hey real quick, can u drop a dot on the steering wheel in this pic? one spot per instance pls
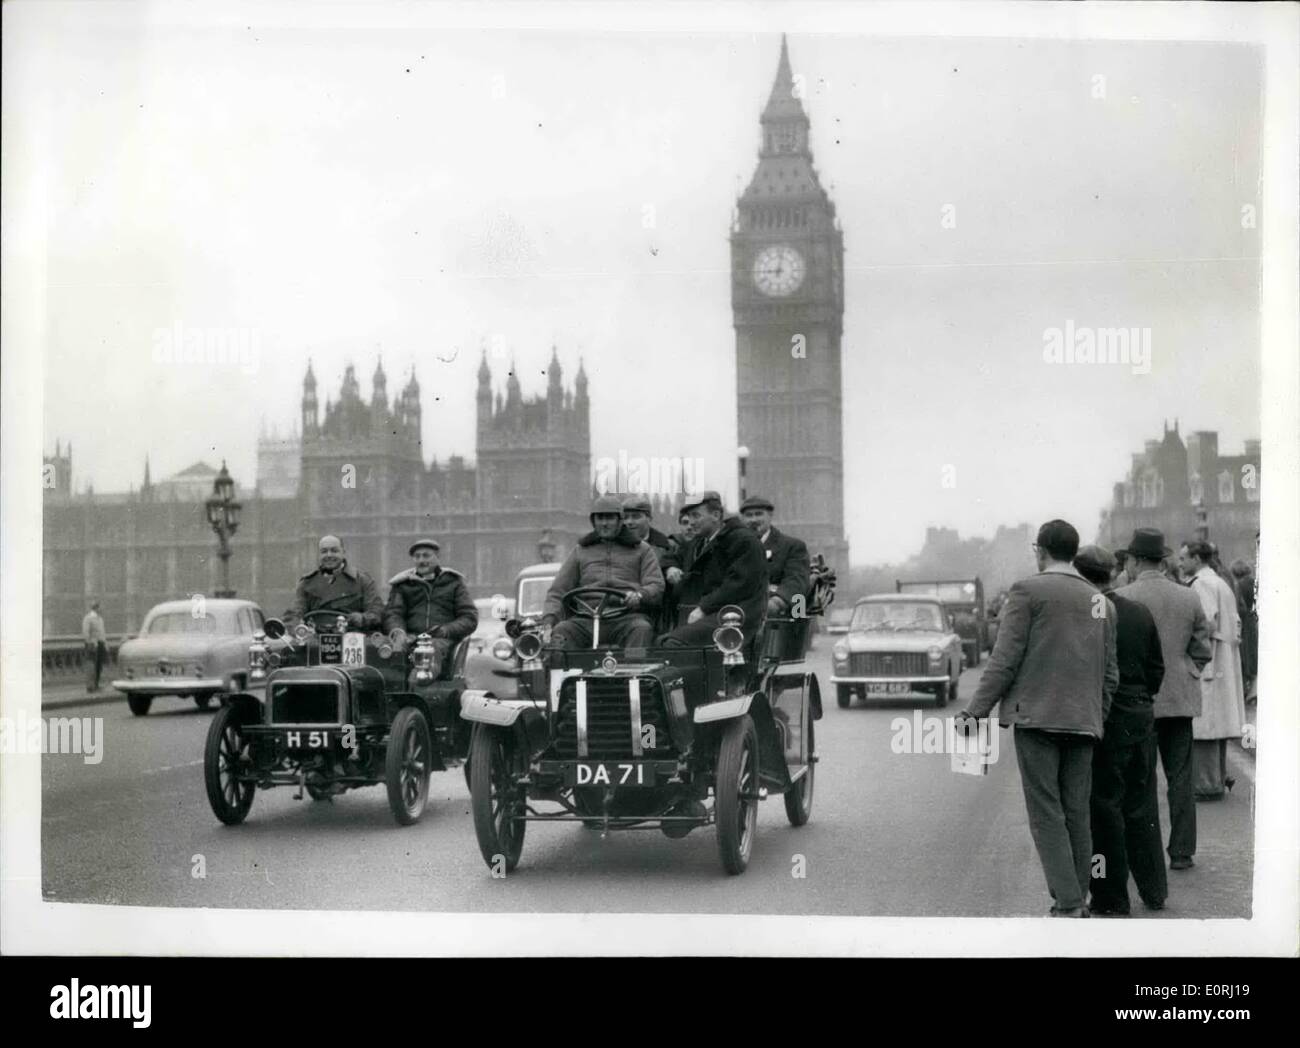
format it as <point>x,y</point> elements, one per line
<point>323,614</point>
<point>596,602</point>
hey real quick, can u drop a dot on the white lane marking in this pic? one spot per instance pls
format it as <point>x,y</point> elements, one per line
<point>173,767</point>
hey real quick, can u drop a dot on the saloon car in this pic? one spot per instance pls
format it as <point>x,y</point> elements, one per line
<point>897,645</point>
<point>340,710</point>
<point>191,649</point>
<point>667,738</point>
<point>492,664</point>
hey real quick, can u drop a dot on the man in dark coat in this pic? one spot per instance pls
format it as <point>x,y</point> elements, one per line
<point>723,565</point>
<point>336,586</point>
<point>1125,809</point>
<point>787,557</point>
<point>637,515</point>
<point>428,598</point>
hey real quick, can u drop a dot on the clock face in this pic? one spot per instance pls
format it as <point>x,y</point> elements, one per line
<point>778,270</point>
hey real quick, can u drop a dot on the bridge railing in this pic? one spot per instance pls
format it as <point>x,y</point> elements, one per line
<point>63,658</point>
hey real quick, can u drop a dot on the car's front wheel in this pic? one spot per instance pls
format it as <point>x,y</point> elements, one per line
<point>140,704</point>
<point>203,700</point>
<point>407,765</point>
<point>736,793</point>
<point>226,763</point>
<point>495,799</point>
<point>843,696</point>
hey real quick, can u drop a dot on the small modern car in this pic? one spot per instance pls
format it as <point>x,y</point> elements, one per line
<point>192,649</point>
<point>492,664</point>
<point>897,645</point>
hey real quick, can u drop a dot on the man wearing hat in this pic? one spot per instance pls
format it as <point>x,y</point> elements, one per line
<point>787,557</point>
<point>1185,648</point>
<point>428,598</point>
<point>637,514</point>
<point>610,556</point>
<point>334,585</point>
<point>1125,809</point>
<point>723,565</point>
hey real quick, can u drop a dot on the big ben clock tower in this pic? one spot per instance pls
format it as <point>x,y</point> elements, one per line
<point>787,298</point>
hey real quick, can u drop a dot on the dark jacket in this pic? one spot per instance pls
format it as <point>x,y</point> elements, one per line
<point>439,605</point>
<point>1053,666</point>
<point>345,591</point>
<point>729,569</point>
<point>666,549</point>
<point>625,563</point>
<point>1137,648</point>
<point>787,566</point>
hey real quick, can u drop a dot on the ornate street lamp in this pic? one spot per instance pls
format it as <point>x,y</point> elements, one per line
<point>223,516</point>
<point>546,547</point>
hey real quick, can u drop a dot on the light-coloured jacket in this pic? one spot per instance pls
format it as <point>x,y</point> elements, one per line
<point>1184,640</point>
<point>1223,707</point>
<point>92,628</point>
<point>1054,665</point>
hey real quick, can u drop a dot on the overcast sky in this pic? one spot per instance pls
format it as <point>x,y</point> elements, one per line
<point>343,192</point>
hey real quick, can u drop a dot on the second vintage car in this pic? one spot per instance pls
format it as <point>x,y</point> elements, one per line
<point>191,649</point>
<point>897,645</point>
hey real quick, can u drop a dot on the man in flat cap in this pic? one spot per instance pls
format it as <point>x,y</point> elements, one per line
<point>637,515</point>
<point>334,585</point>
<point>610,556</point>
<point>1124,804</point>
<point>787,557</point>
<point>428,598</point>
<point>1185,647</point>
<point>724,565</point>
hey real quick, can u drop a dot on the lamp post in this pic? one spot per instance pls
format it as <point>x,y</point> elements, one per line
<point>546,547</point>
<point>742,456</point>
<point>223,516</point>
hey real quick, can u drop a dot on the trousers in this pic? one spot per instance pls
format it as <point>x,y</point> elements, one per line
<point>96,656</point>
<point>1056,775</point>
<point>1174,737</point>
<point>626,631</point>
<point>1126,813</point>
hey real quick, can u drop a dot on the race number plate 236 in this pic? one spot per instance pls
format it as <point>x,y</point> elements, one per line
<point>610,773</point>
<point>354,649</point>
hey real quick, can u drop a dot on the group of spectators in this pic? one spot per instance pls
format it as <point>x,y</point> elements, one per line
<point>1105,664</point>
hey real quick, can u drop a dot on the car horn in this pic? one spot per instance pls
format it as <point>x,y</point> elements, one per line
<point>528,646</point>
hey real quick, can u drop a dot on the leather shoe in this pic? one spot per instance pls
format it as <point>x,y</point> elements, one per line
<point>1154,904</point>
<point>1183,862</point>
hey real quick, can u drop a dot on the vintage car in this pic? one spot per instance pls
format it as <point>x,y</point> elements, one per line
<point>897,646</point>
<point>623,739</point>
<point>964,598</point>
<point>339,711</point>
<point>192,649</point>
<point>492,665</point>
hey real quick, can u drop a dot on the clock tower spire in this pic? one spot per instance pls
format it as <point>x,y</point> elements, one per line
<point>787,299</point>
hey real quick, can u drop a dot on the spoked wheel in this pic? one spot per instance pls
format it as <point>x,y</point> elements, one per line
<point>225,758</point>
<point>736,793</point>
<point>203,701</point>
<point>843,696</point>
<point>139,704</point>
<point>407,765</point>
<point>798,799</point>
<point>494,798</point>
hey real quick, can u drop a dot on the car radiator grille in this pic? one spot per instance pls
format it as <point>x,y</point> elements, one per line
<point>900,664</point>
<point>306,703</point>
<point>609,719</point>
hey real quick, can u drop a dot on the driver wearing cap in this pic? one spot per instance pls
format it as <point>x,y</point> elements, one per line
<point>428,598</point>
<point>609,556</point>
<point>334,585</point>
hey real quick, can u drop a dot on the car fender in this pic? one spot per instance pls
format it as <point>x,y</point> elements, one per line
<point>725,709</point>
<point>483,707</point>
<point>249,706</point>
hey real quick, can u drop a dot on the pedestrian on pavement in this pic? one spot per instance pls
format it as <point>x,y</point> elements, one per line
<point>1185,646</point>
<point>1054,672</point>
<point>1223,709</point>
<point>1249,627</point>
<point>96,642</point>
<point>1125,809</point>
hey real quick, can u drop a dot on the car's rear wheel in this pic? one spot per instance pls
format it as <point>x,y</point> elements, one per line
<point>736,793</point>
<point>799,798</point>
<point>226,759</point>
<point>140,704</point>
<point>843,696</point>
<point>203,701</point>
<point>407,765</point>
<point>494,798</point>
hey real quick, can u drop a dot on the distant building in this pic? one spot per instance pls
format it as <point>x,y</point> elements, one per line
<point>1187,490</point>
<point>357,470</point>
